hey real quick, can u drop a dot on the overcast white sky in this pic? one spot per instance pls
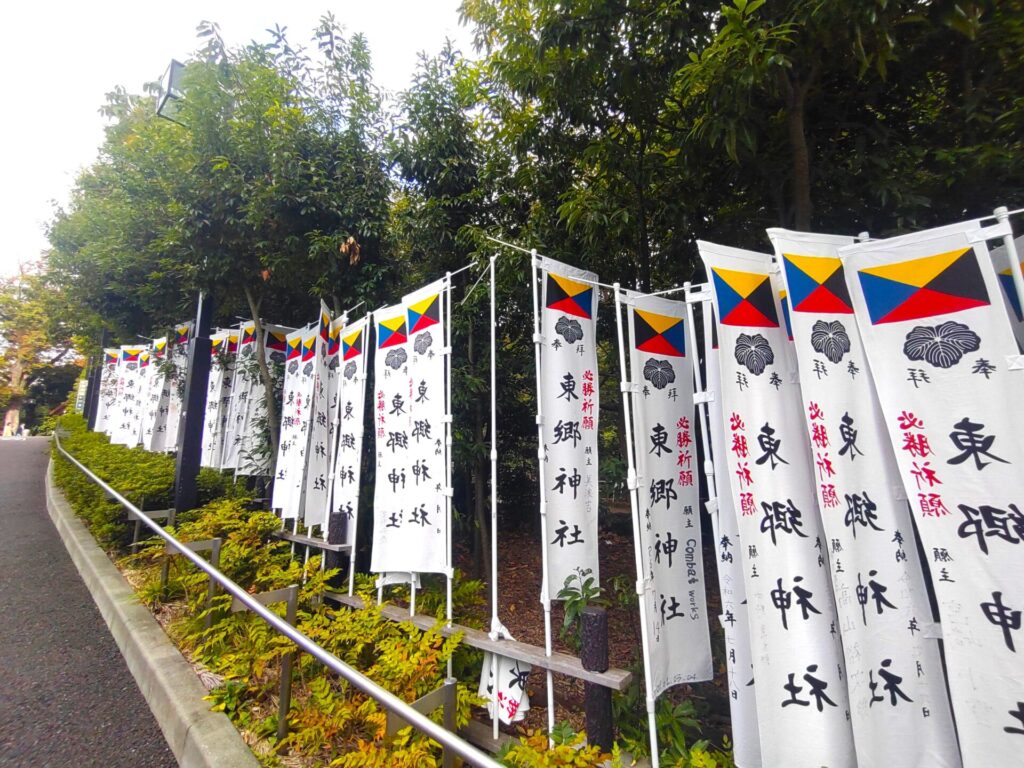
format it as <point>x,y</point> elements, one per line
<point>59,58</point>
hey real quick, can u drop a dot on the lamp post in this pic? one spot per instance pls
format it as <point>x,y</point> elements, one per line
<point>190,424</point>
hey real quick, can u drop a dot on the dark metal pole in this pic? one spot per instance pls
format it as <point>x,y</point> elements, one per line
<point>190,426</point>
<point>92,397</point>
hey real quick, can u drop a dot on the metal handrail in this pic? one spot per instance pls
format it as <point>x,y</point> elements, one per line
<point>388,700</point>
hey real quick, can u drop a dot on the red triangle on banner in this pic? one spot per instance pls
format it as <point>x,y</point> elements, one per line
<point>746,313</point>
<point>926,303</point>
<point>658,345</point>
<point>569,305</point>
<point>821,299</point>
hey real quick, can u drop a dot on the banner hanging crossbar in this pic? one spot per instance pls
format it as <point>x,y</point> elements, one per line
<point>535,253</point>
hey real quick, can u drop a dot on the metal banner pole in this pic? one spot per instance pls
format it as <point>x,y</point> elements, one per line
<point>1003,216</point>
<point>632,484</point>
<point>545,586</point>
<point>450,573</point>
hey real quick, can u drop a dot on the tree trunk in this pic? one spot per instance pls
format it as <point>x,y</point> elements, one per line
<point>12,419</point>
<point>796,98</point>
<point>268,383</point>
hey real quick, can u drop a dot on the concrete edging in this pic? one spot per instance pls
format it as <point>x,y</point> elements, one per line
<point>197,737</point>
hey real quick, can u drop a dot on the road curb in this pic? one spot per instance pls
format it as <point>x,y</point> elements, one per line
<point>197,737</point>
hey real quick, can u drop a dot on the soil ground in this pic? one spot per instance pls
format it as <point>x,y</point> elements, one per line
<point>521,612</point>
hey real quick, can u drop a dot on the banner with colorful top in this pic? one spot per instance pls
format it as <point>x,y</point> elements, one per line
<point>947,370</point>
<point>667,518</point>
<point>107,399</point>
<point>899,706</point>
<point>317,480</point>
<point>348,448</point>
<point>411,526</point>
<point>177,371</point>
<point>241,385</point>
<point>729,557</point>
<point>294,434</point>
<point>800,676</point>
<point>568,404</point>
<point>129,401</point>
<point>223,349</point>
<point>158,391</point>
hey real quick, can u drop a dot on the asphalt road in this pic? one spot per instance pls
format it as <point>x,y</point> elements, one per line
<point>67,699</point>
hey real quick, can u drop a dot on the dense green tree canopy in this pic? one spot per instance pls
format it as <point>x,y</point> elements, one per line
<point>609,133</point>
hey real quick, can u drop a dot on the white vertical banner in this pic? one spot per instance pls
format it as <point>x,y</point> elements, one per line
<point>304,413</point>
<point>241,388</point>
<point>146,371</point>
<point>667,469</point>
<point>730,554</point>
<point>154,422</point>
<point>351,394</point>
<point>899,705</point>
<point>410,511</point>
<point>317,480</point>
<point>107,398</point>
<point>254,448</point>
<point>177,372</point>
<point>223,345</point>
<point>945,365</point>
<point>569,403</point>
<point>503,681</point>
<point>284,497</point>
<point>800,676</point>
<point>127,410</point>
<point>427,321</point>
<point>1004,269</point>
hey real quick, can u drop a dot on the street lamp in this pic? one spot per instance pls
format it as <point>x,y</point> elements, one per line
<point>190,429</point>
<point>171,98</point>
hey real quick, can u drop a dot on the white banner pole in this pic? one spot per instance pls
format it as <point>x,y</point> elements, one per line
<point>496,627</point>
<point>698,380</point>
<point>632,483</point>
<point>450,571</point>
<point>545,587</point>
<point>1003,216</point>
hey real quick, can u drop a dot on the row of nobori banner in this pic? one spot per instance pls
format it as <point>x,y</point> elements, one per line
<point>859,406</point>
<point>140,397</point>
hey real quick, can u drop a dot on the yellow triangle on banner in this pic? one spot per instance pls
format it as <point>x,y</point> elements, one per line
<point>659,323</point>
<point>743,283</point>
<point>422,306</point>
<point>394,323</point>
<point>571,287</point>
<point>916,272</point>
<point>352,338</point>
<point>818,268</point>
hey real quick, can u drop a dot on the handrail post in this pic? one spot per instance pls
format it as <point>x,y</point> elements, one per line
<point>450,703</point>
<point>285,698</point>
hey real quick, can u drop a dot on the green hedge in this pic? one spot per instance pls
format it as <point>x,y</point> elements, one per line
<point>145,479</point>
